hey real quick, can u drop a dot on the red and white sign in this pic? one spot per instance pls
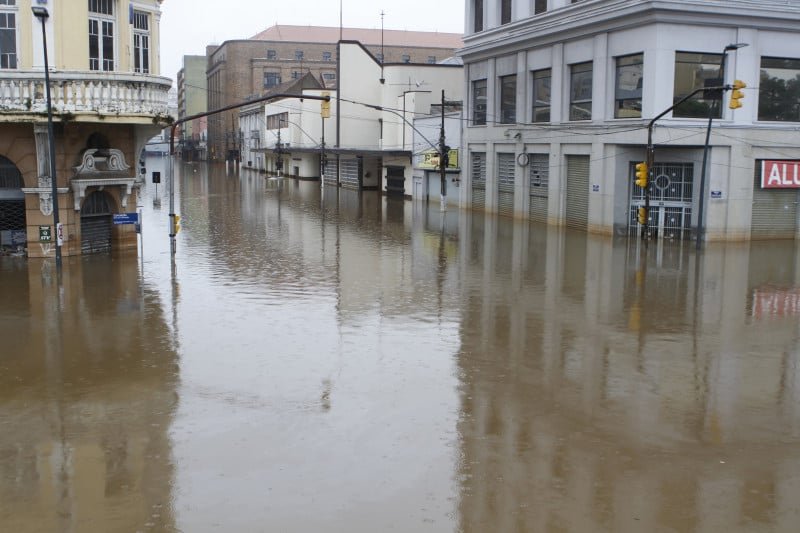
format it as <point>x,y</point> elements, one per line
<point>775,303</point>
<point>780,174</point>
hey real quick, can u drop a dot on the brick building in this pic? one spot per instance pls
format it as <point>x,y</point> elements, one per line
<point>242,69</point>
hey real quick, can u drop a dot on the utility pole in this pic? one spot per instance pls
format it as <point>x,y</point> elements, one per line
<point>443,152</point>
<point>279,163</point>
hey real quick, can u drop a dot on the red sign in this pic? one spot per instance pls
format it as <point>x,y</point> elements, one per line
<point>780,174</point>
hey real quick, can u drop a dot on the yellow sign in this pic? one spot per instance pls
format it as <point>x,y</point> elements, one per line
<point>325,109</point>
<point>430,159</point>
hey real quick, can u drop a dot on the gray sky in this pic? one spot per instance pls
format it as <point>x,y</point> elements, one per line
<point>187,26</point>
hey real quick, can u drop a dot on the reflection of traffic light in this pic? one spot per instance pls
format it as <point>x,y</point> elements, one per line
<point>177,223</point>
<point>737,94</point>
<point>641,175</point>
<point>642,216</point>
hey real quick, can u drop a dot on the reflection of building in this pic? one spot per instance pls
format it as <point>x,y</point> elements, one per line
<point>240,69</point>
<point>611,388</point>
<point>560,94</point>
<point>86,402</point>
<point>371,146</point>
<point>106,96</point>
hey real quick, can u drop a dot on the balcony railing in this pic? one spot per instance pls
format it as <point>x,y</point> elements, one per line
<point>78,92</point>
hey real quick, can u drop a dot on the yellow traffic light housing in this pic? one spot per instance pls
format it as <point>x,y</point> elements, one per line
<point>737,94</point>
<point>642,216</point>
<point>177,224</point>
<point>641,175</point>
<point>325,106</point>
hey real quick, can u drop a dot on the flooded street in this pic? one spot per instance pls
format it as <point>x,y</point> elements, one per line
<point>335,362</point>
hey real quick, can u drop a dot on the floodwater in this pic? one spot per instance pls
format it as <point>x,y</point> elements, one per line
<point>349,363</point>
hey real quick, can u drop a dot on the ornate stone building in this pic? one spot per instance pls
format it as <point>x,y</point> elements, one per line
<point>107,100</point>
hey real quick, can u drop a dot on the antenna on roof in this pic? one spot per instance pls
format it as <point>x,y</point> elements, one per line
<point>340,20</point>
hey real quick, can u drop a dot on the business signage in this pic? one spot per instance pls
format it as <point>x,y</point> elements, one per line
<point>430,159</point>
<point>776,174</point>
<point>125,218</point>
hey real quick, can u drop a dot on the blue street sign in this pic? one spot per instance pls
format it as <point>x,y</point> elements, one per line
<point>126,218</point>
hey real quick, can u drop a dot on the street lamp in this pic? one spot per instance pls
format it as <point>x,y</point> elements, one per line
<point>42,14</point>
<point>701,206</point>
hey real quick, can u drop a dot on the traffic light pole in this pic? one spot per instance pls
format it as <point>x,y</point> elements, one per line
<point>443,161</point>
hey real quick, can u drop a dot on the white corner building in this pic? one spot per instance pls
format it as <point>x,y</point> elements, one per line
<point>560,94</point>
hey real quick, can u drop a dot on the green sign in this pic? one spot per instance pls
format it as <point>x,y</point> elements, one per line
<point>45,234</point>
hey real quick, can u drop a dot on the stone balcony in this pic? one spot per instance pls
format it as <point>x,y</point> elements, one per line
<point>86,96</point>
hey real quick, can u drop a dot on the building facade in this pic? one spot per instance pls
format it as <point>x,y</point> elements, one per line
<point>192,100</point>
<point>242,69</point>
<point>369,138</point>
<point>561,93</point>
<point>107,100</point>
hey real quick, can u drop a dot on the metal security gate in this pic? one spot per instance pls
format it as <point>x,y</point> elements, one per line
<point>774,213</point>
<point>351,173</point>
<point>96,224</point>
<point>505,184</point>
<point>12,206</point>
<point>539,177</point>
<point>577,212</point>
<point>671,191</point>
<point>331,170</point>
<point>478,180</point>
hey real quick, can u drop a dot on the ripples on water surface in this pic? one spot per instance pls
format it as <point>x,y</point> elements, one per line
<point>351,363</point>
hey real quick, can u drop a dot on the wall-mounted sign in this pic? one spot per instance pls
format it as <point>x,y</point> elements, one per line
<point>430,159</point>
<point>777,174</point>
<point>595,188</point>
<point>45,234</point>
<point>125,218</point>
<point>716,195</point>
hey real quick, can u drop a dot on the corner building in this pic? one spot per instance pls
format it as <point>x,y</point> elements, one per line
<point>107,100</point>
<point>561,92</point>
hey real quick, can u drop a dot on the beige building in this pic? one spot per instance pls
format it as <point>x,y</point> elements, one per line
<point>238,70</point>
<point>107,100</point>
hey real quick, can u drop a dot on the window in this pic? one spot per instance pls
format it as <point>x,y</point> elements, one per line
<point>479,102</point>
<point>141,42</point>
<point>328,76</point>
<point>431,60</point>
<point>296,74</point>
<point>406,58</point>
<point>505,11</point>
<point>508,99</point>
<point>326,56</point>
<point>298,55</point>
<point>779,90</point>
<point>277,121</point>
<point>580,94</point>
<point>271,79</point>
<point>695,71</point>
<point>272,54</point>
<point>540,6</point>
<point>101,35</point>
<point>478,16</point>
<point>628,89</point>
<point>541,95</point>
<point>8,37</point>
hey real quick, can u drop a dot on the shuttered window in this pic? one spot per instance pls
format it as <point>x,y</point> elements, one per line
<point>505,184</point>
<point>577,211</point>
<point>539,179</point>
<point>478,174</point>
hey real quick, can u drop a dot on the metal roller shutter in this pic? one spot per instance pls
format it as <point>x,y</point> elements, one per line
<point>539,176</point>
<point>95,234</point>
<point>505,184</point>
<point>577,212</point>
<point>479,180</point>
<point>331,171</point>
<point>774,213</point>
<point>349,173</point>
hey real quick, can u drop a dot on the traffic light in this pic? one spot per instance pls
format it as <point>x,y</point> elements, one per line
<point>641,175</point>
<point>177,222</point>
<point>325,107</point>
<point>642,216</point>
<point>737,94</point>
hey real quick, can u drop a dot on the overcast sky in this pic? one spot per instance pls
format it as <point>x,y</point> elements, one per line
<point>187,26</point>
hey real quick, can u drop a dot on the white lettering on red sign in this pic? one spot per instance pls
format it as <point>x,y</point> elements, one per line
<point>780,174</point>
<point>775,303</point>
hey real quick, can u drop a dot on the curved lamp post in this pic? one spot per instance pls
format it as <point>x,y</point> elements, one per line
<point>42,14</point>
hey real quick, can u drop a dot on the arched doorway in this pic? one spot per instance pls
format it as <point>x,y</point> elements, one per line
<point>96,223</point>
<point>12,206</point>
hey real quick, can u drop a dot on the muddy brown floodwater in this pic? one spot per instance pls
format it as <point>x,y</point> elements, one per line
<point>335,362</point>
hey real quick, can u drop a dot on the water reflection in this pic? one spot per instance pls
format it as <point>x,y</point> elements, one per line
<point>87,395</point>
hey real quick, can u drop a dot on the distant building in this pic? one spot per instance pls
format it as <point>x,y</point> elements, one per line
<point>242,69</point>
<point>107,99</point>
<point>369,138</point>
<point>192,100</point>
<point>560,94</point>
